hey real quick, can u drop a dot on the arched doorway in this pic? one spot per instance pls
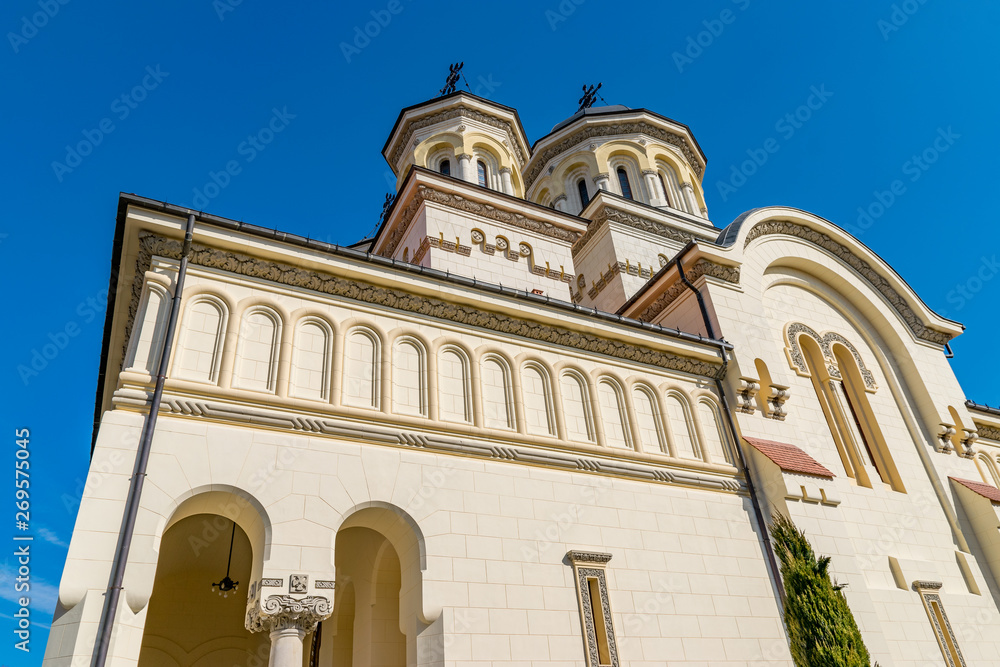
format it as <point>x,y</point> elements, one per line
<point>365,626</point>
<point>188,624</point>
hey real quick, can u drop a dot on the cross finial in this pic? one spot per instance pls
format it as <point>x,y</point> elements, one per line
<point>589,95</point>
<point>454,71</point>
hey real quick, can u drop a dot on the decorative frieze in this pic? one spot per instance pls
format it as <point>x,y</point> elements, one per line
<point>863,268</point>
<point>825,342</point>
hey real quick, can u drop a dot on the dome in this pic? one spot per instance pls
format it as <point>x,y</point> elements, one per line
<point>592,111</point>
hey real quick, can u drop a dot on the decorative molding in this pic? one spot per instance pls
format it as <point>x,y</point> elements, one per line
<point>488,211</point>
<point>702,267</point>
<point>274,583</point>
<point>298,583</point>
<point>280,612</point>
<point>388,434</point>
<point>625,267</point>
<point>587,605</point>
<point>587,557</point>
<point>776,399</point>
<point>325,584</point>
<point>460,111</point>
<point>613,129</point>
<point>969,439</point>
<point>947,641</point>
<point>988,432</point>
<point>945,433</point>
<point>863,268</point>
<point>612,214</point>
<point>395,299</point>
<point>921,585</point>
<point>825,341</point>
<point>748,388</point>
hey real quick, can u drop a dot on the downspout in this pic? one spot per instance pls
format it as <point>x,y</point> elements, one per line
<point>113,594</point>
<point>710,330</point>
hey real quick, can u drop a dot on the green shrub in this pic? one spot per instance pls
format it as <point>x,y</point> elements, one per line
<point>821,628</point>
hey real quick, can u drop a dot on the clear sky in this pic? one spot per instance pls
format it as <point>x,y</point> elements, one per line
<point>155,98</point>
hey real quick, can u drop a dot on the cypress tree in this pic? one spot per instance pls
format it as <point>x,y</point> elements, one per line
<point>821,628</point>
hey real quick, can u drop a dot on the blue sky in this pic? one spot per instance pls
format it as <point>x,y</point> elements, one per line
<point>887,81</point>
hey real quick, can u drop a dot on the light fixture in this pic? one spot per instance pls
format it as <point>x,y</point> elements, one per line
<point>228,584</point>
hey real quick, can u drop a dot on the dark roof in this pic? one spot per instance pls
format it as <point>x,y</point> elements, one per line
<point>789,457</point>
<point>590,111</point>
<point>985,490</point>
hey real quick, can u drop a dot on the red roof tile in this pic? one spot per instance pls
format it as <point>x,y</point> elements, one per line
<point>789,457</point>
<point>985,490</point>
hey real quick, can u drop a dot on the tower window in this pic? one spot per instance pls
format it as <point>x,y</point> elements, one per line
<point>581,187</point>
<point>481,173</point>
<point>445,167</point>
<point>663,186</point>
<point>623,182</point>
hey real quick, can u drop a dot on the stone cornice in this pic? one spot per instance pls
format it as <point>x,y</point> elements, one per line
<point>863,268</point>
<point>280,612</point>
<point>588,557</point>
<point>613,129</point>
<point>703,267</point>
<point>460,203</point>
<point>460,111</point>
<point>612,214</point>
<point>409,302</point>
<point>393,435</point>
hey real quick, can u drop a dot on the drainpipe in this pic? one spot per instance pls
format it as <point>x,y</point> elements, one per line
<point>113,594</point>
<point>710,330</point>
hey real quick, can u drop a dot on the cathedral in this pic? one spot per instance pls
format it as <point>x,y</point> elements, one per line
<point>543,416</point>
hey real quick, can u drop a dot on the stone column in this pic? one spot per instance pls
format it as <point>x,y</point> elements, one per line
<point>465,171</point>
<point>688,191</point>
<point>508,186</point>
<point>656,196</point>
<point>602,182</point>
<point>560,203</point>
<point>288,620</point>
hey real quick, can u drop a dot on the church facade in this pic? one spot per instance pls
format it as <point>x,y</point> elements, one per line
<point>542,417</point>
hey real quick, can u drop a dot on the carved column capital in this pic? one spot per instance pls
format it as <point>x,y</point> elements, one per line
<point>649,172</point>
<point>504,170</point>
<point>464,156</point>
<point>281,612</point>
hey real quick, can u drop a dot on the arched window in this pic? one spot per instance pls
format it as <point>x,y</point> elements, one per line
<point>623,183</point>
<point>861,419</point>
<point>581,187</point>
<point>537,398</point>
<point>682,436</point>
<point>148,333</point>
<point>576,408</point>
<point>716,439</point>
<point>454,397</point>
<point>361,370</point>
<point>445,167</point>
<point>257,354</point>
<point>663,186</point>
<point>481,173</point>
<point>649,421</point>
<point>199,355</point>
<point>613,414</point>
<point>408,379</point>
<point>497,408</point>
<point>311,361</point>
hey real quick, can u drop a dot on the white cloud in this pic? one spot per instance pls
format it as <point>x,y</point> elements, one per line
<point>43,595</point>
<point>50,536</point>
